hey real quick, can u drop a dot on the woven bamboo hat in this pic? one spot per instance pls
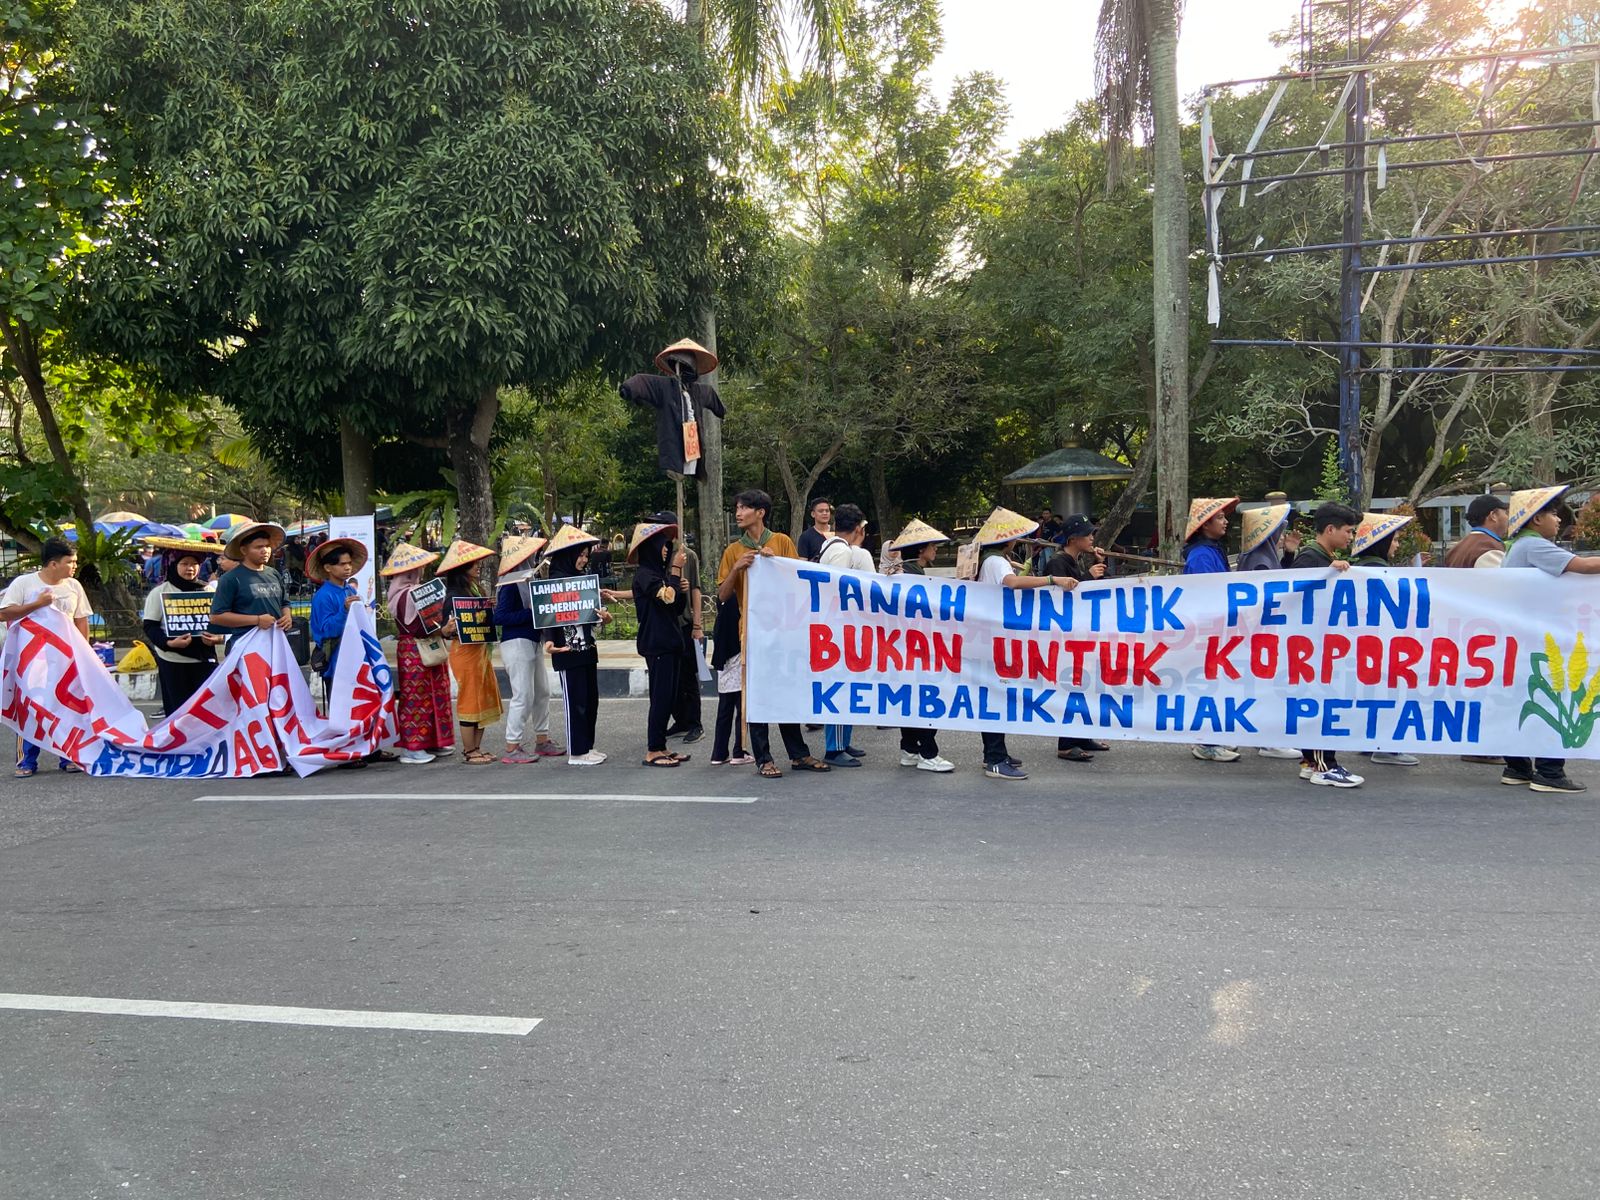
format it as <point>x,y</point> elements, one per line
<point>314,559</point>
<point>460,553</point>
<point>567,537</point>
<point>705,362</point>
<point>179,547</point>
<point>646,530</point>
<point>1203,509</point>
<point>918,533</point>
<point>1526,504</point>
<point>1261,523</point>
<point>245,533</point>
<point>1003,526</point>
<point>1375,527</point>
<point>406,557</point>
<point>516,550</point>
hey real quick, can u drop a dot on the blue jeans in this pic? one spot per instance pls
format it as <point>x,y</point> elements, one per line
<point>28,756</point>
<point>837,737</point>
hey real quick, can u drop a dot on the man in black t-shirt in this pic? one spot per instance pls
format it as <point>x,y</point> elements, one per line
<point>810,543</point>
<point>1077,534</point>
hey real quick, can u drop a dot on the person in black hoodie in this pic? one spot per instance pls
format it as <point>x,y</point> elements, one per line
<point>659,597</point>
<point>573,652</point>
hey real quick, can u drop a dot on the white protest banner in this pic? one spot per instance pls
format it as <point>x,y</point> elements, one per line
<point>253,715</point>
<point>1436,661</point>
<point>364,530</point>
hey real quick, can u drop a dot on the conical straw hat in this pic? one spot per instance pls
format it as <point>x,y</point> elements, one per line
<point>1202,510</point>
<point>461,553</point>
<point>567,537</point>
<point>181,546</point>
<point>406,557</point>
<point>705,362</point>
<point>314,559</point>
<point>237,538</point>
<point>1261,523</point>
<point>643,532</point>
<point>918,533</point>
<point>516,550</point>
<point>1003,526</point>
<point>1375,527</point>
<point>1525,504</point>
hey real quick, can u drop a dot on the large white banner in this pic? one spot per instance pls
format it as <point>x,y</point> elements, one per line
<point>254,715</point>
<point>1437,661</point>
<point>364,530</point>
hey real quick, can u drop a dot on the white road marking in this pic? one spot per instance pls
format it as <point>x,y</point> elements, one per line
<point>485,796</point>
<point>272,1014</point>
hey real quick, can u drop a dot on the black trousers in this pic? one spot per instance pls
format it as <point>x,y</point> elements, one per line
<point>729,705</point>
<point>179,681</point>
<point>580,700</point>
<point>1321,760</point>
<point>920,742</point>
<point>686,711</point>
<point>794,743</point>
<point>994,749</point>
<point>1545,768</point>
<point>1074,743</point>
<point>663,672</point>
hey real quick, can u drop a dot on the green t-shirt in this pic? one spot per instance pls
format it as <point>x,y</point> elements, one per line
<point>251,593</point>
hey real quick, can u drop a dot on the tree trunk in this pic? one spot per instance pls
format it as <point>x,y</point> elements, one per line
<point>24,349</point>
<point>1170,244</point>
<point>1112,524</point>
<point>551,499</point>
<point>355,452</point>
<point>710,506</point>
<point>468,431</point>
<point>883,514</point>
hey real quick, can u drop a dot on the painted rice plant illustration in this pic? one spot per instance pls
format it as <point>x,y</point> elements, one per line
<point>1560,692</point>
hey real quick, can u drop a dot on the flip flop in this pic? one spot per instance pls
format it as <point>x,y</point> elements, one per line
<point>666,760</point>
<point>26,772</point>
<point>769,770</point>
<point>808,763</point>
<point>1076,754</point>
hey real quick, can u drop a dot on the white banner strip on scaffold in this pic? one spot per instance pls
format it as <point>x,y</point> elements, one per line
<point>1436,661</point>
<point>253,715</point>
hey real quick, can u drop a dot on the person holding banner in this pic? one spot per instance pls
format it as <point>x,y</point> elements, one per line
<point>1533,524</point>
<point>659,597</point>
<point>1266,540</point>
<point>51,584</point>
<point>422,699</point>
<point>843,550</point>
<point>1485,544</point>
<point>919,748</point>
<point>1372,546</point>
<point>184,661</point>
<point>477,690</point>
<point>332,565</point>
<point>254,596</point>
<point>1077,540</point>
<point>573,652</point>
<point>1334,525</point>
<point>751,510</point>
<point>994,541</point>
<point>521,657</point>
<point>1203,554</point>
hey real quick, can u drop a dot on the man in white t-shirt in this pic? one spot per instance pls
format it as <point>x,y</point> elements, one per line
<point>51,584</point>
<point>842,549</point>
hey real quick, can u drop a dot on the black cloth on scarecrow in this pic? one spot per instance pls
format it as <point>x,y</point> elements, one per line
<point>665,394</point>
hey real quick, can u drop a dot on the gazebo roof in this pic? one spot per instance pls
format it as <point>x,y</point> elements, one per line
<point>1071,464</point>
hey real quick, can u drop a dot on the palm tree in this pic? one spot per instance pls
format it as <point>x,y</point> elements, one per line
<point>1136,70</point>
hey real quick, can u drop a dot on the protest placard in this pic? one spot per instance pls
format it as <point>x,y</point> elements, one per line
<point>430,601</point>
<point>185,613</point>
<point>559,602</point>
<point>474,619</point>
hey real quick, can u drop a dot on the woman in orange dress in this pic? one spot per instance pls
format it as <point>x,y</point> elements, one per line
<point>477,690</point>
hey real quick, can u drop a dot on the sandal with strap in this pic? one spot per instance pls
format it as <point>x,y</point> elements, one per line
<point>665,760</point>
<point>478,758</point>
<point>769,770</point>
<point>809,763</point>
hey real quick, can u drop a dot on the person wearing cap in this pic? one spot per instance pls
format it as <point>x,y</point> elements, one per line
<point>686,719</point>
<point>751,511</point>
<point>1077,542</point>
<point>572,650</point>
<point>477,690</point>
<point>919,748</point>
<point>681,399</point>
<point>1372,546</point>
<point>843,550</point>
<point>1485,543</point>
<point>659,598</point>
<point>254,596</point>
<point>183,663</point>
<point>522,658</point>
<point>1534,522</point>
<point>422,696</point>
<point>332,565</point>
<point>994,540</point>
<point>1203,554</point>
<point>1334,526</point>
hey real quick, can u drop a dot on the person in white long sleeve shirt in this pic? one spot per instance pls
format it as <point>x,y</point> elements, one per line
<point>843,550</point>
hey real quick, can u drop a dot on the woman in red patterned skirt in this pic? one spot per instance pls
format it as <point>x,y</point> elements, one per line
<point>422,701</point>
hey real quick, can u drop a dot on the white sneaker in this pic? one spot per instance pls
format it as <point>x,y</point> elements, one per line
<point>1395,758</point>
<point>592,759</point>
<point>1277,752</point>
<point>415,756</point>
<point>1306,770</point>
<point>1336,777</point>
<point>1214,753</point>
<point>908,759</point>
<point>936,763</point>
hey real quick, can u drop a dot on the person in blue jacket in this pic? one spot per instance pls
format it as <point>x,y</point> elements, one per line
<point>1204,554</point>
<point>333,565</point>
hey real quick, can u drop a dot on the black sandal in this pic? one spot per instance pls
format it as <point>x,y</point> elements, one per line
<point>769,770</point>
<point>1076,754</point>
<point>808,763</point>
<point>666,760</point>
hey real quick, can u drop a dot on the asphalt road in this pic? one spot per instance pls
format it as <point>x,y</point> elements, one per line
<point>1147,977</point>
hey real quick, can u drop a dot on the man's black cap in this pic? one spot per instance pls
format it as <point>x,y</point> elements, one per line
<point>1076,526</point>
<point>1480,508</point>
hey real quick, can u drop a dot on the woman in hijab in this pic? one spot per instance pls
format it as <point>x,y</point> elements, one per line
<point>572,650</point>
<point>659,597</point>
<point>183,663</point>
<point>477,689</point>
<point>422,700</point>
